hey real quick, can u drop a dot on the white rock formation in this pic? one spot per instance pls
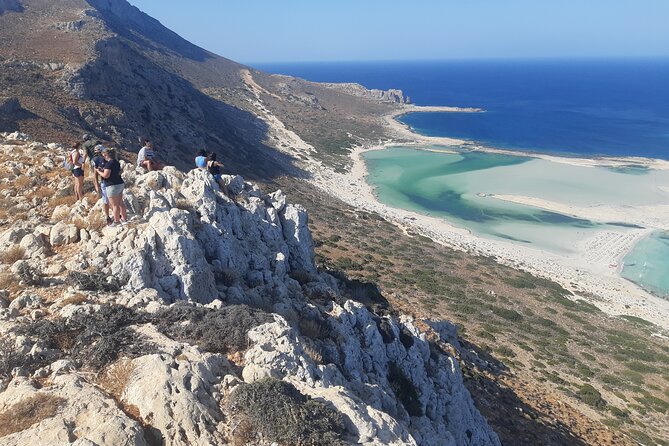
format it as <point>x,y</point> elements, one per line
<point>190,241</point>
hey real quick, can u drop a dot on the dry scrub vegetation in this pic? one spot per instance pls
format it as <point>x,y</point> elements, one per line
<point>613,370</point>
<point>11,255</point>
<point>28,412</point>
<point>115,377</point>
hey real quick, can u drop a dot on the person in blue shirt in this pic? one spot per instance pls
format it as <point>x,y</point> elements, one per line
<point>201,160</point>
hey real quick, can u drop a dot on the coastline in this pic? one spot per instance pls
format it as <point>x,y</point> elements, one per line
<point>588,275</point>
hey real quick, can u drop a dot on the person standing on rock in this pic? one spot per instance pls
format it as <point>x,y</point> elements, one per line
<point>89,143</point>
<point>111,173</point>
<point>77,159</point>
<point>99,162</point>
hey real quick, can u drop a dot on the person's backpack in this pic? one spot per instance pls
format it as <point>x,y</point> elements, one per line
<point>68,164</point>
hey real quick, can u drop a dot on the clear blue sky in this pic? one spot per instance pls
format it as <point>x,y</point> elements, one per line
<point>321,30</point>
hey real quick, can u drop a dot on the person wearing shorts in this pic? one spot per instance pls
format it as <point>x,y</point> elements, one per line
<point>99,162</point>
<point>77,160</point>
<point>111,174</point>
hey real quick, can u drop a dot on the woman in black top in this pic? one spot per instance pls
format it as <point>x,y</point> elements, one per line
<point>111,173</point>
<point>214,168</point>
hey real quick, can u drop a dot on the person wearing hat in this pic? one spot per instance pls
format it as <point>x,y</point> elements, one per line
<point>99,162</point>
<point>111,173</point>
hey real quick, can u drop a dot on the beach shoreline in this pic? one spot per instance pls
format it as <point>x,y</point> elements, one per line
<point>594,277</point>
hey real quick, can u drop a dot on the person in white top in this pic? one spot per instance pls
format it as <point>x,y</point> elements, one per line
<point>146,157</point>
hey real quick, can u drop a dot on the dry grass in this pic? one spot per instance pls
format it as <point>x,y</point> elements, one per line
<point>12,255</point>
<point>79,223</point>
<point>60,215</point>
<point>43,192</point>
<point>65,340</point>
<point>115,377</point>
<point>28,412</point>
<point>313,352</point>
<point>76,299</point>
<point>10,282</point>
<point>68,200</point>
<point>96,222</point>
<point>23,182</point>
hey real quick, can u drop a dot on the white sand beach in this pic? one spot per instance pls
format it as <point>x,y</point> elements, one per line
<point>592,273</point>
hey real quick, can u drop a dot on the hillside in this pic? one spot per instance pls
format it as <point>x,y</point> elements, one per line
<point>203,321</point>
<point>355,321</point>
<point>103,67</point>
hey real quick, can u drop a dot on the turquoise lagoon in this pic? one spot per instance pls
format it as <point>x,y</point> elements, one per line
<point>457,186</point>
<point>648,264</point>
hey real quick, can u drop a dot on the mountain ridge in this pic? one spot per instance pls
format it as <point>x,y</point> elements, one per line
<point>105,67</point>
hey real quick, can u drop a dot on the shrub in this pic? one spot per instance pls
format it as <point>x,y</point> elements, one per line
<point>505,351</point>
<point>216,331</point>
<point>96,281</point>
<point>302,276</point>
<point>591,396</point>
<point>315,328</point>
<point>94,340</point>
<point>280,413</point>
<point>28,412</point>
<point>227,277</point>
<point>509,315</point>
<point>404,390</point>
<point>28,274</point>
<point>10,358</point>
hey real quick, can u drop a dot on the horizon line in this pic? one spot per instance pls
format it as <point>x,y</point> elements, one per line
<point>460,59</point>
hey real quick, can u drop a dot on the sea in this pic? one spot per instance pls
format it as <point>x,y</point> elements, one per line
<point>577,108</point>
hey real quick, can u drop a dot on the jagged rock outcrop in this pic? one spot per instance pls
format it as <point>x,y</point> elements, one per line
<point>394,96</point>
<point>204,293</point>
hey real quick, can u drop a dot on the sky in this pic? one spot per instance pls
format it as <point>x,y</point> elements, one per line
<point>262,31</point>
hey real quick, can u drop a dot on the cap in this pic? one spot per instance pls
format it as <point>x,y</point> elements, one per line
<point>99,148</point>
<point>86,137</point>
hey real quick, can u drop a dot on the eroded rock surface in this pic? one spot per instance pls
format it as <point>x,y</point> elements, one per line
<point>142,332</point>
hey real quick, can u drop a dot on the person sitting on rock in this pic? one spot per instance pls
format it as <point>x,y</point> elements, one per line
<point>77,159</point>
<point>201,160</point>
<point>111,173</point>
<point>147,158</point>
<point>214,168</point>
<point>99,162</point>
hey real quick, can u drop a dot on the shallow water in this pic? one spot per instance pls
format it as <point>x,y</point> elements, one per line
<point>457,186</point>
<point>648,264</point>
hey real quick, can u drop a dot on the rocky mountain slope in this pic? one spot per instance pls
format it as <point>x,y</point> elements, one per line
<point>203,321</point>
<point>102,66</point>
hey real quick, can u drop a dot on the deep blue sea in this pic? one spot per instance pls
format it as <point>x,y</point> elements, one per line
<point>579,107</point>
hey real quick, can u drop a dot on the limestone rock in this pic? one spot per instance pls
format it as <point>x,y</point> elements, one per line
<point>63,234</point>
<point>98,419</point>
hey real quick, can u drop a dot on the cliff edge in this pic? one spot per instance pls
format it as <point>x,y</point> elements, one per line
<point>203,321</point>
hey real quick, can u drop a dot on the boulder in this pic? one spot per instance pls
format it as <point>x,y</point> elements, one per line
<point>63,234</point>
<point>34,246</point>
<point>98,419</point>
